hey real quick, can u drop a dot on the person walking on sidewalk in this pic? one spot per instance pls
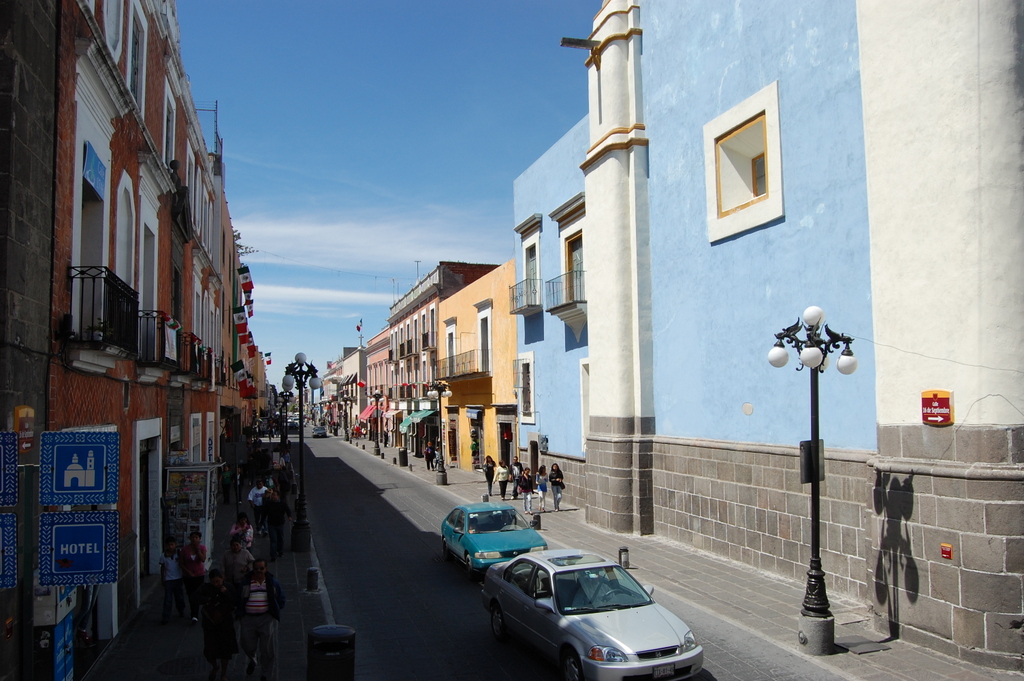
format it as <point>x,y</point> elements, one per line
<point>170,575</point>
<point>242,529</point>
<point>259,607</point>
<point>542,487</point>
<point>216,603</point>
<point>226,478</point>
<point>501,473</point>
<point>525,487</point>
<point>193,569</point>
<point>557,485</point>
<point>256,501</point>
<point>277,511</point>
<point>237,561</point>
<point>489,474</point>
<point>517,472</point>
<point>429,454</point>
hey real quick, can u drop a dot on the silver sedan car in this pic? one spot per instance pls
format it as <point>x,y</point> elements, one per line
<point>590,616</point>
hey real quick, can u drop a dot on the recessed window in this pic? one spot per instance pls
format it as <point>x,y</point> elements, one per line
<point>743,166</point>
<point>740,156</point>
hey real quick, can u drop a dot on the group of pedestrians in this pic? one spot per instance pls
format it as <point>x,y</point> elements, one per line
<point>241,590</point>
<point>526,483</point>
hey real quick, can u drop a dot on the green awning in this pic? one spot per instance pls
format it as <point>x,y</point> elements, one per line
<point>406,422</point>
<point>418,416</point>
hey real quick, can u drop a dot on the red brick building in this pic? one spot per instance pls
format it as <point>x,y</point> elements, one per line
<point>144,276</point>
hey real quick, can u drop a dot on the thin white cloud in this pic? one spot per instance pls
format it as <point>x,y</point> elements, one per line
<point>270,294</point>
<point>384,245</point>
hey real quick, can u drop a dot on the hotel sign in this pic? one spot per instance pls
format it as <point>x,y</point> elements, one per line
<point>78,548</point>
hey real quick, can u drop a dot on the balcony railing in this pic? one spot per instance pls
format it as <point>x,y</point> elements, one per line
<point>524,297</point>
<point>193,359</point>
<point>105,308</point>
<point>153,341</point>
<point>427,342</point>
<point>566,290</point>
<point>465,363</point>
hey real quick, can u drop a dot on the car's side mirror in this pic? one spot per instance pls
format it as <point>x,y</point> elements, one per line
<point>649,588</point>
<point>544,602</point>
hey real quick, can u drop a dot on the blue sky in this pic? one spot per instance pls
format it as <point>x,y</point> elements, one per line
<point>360,137</point>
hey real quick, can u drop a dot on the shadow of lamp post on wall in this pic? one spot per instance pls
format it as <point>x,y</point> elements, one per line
<point>436,391</point>
<point>301,373</point>
<point>817,626</point>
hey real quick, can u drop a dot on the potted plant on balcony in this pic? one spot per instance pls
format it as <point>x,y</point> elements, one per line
<point>97,331</point>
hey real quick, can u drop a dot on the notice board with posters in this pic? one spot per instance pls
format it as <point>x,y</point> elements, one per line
<point>190,501</point>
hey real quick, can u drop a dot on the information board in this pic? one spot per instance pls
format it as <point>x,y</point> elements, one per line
<point>8,550</point>
<point>8,469</point>
<point>78,547</point>
<point>78,468</point>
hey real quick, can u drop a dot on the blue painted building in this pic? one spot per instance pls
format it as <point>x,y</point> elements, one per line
<point>741,162</point>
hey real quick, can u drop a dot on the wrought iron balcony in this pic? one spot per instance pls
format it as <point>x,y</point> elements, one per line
<point>524,297</point>
<point>105,310</point>
<point>567,300</point>
<point>427,342</point>
<point>193,359</point>
<point>472,363</point>
<point>153,341</point>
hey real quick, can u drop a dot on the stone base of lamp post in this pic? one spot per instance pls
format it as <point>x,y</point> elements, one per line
<point>816,634</point>
<point>300,536</point>
<point>441,477</point>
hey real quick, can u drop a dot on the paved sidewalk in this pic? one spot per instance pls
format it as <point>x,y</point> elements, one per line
<point>759,603</point>
<point>144,646</point>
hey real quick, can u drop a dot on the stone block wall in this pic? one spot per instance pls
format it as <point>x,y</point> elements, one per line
<point>745,502</point>
<point>947,552</point>
<point>575,471</point>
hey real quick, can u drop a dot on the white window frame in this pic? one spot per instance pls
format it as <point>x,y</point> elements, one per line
<point>484,312</point>
<point>125,226</point>
<point>136,13</point>
<point>762,210</point>
<point>172,109</point>
<point>113,23</point>
<point>531,417</point>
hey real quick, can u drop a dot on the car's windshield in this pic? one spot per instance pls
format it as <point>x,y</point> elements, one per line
<point>597,589</point>
<point>498,520</point>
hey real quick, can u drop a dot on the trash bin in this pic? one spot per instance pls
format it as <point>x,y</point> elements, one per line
<point>403,457</point>
<point>331,653</point>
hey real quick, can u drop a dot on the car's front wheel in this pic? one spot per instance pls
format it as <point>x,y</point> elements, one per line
<point>446,554</point>
<point>572,669</point>
<point>498,623</point>
<point>470,572</point>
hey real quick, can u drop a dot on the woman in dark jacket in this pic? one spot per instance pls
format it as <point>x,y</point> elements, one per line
<point>217,604</point>
<point>489,474</point>
<point>525,486</point>
<point>557,485</point>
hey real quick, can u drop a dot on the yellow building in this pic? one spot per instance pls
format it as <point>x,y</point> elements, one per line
<point>476,358</point>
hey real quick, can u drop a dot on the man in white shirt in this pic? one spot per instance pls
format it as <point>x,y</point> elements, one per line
<point>256,501</point>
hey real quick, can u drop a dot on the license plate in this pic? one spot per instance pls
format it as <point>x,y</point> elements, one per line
<point>663,671</point>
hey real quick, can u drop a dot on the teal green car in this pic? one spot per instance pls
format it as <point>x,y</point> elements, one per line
<point>481,535</point>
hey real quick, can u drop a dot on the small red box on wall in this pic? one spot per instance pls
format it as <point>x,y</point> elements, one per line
<point>947,551</point>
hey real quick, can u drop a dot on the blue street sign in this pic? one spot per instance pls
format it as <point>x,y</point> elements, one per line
<point>78,468</point>
<point>78,547</point>
<point>8,469</point>
<point>8,550</point>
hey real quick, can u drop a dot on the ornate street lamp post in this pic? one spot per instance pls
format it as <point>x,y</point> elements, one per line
<point>376,409</point>
<point>817,624</point>
<point>347,403</point>
<point>436,391</point>
<point>300,372</point>
<point>283,399</point>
